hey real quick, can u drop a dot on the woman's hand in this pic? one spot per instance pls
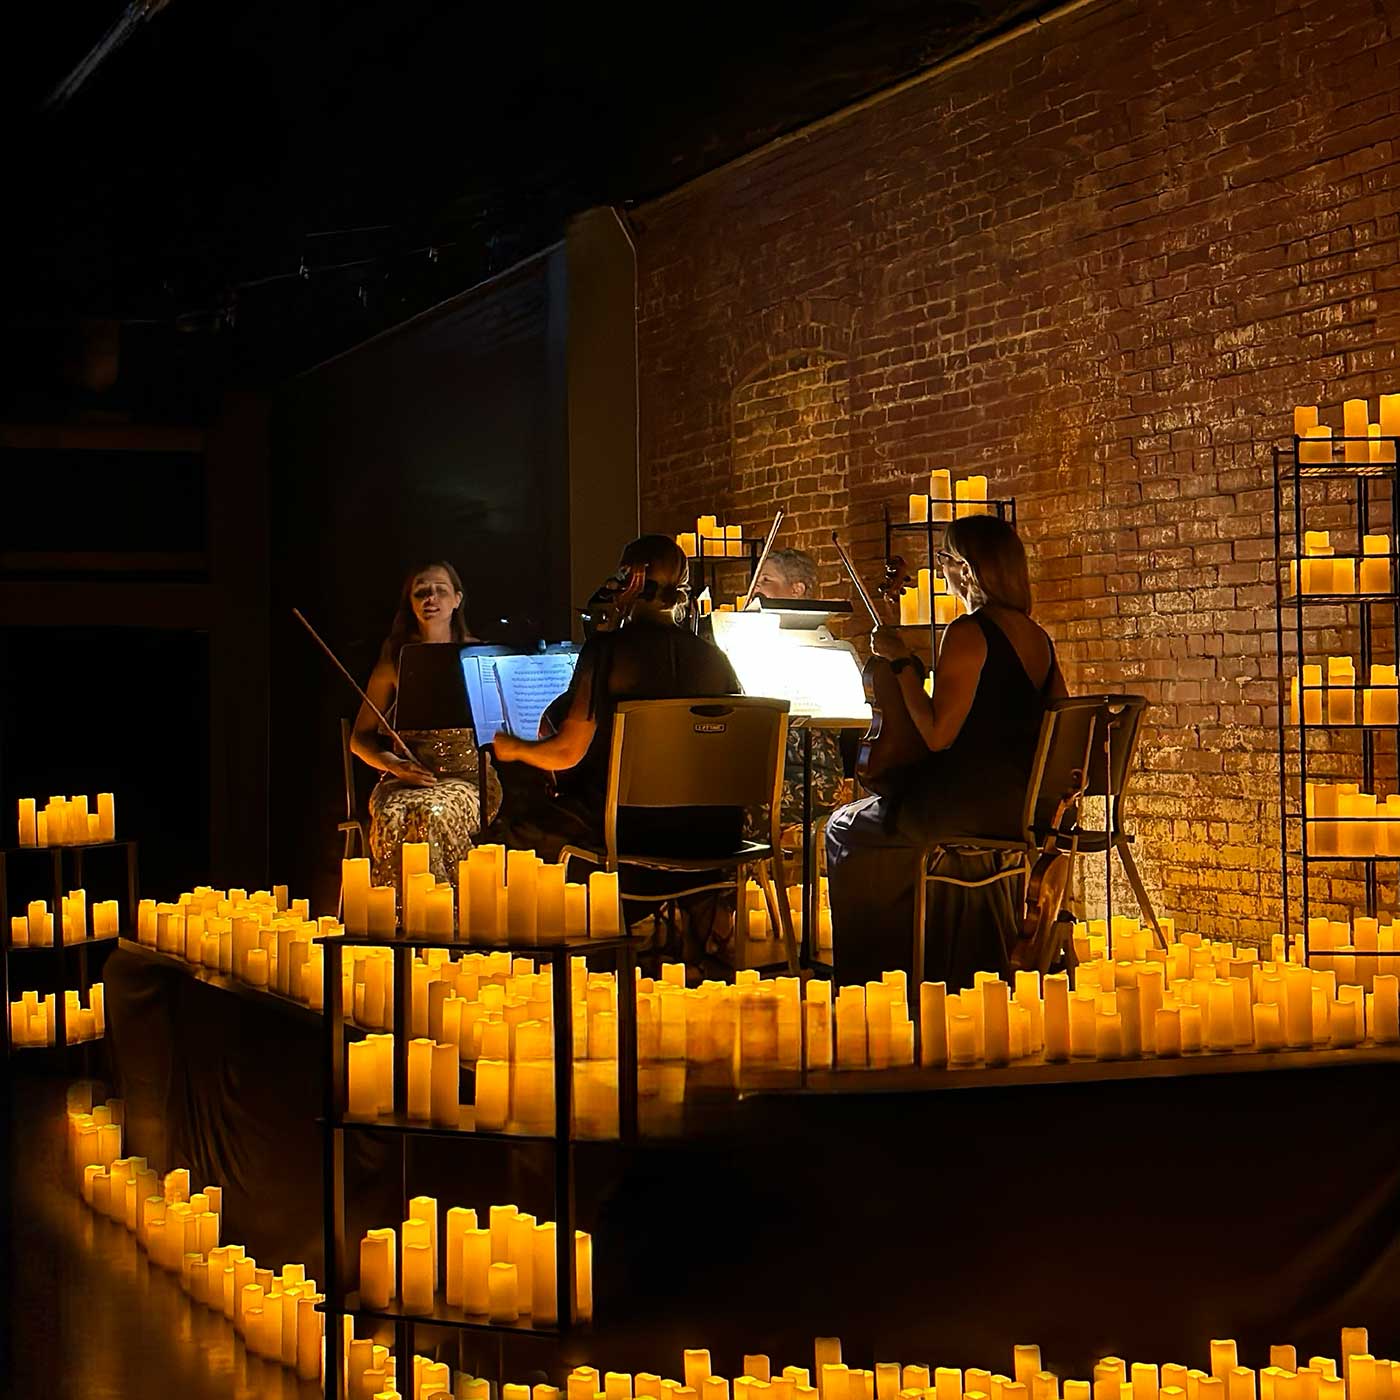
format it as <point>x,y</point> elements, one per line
<point>504,746</point>
<point>407,770</point>
<point>886,642</point>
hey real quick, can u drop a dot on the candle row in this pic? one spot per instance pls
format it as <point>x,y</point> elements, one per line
<point>1344,821</point>
<point>275,1314</point>
<point>711,540</point>
<point>1322,570</point>
<point>1363,946</point>
<point>1131,939</point>
<point>35,927</point>
<point>1336,695</point>
<point>499,894</point>
<point>928,601</point>
<point>1366,441</point>
<point>948,499</point>
<point>498,1272</point>
<point>760,924</point>
<point>32,1018</point>
<point>66,821</point>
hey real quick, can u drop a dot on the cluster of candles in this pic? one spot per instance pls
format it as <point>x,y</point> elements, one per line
<point>1194,995</point>
<point>760,925</point>
<point>497,1272</point>
<point>263,938</point>
<point>35,928</point>
<point>1322,570</point>
<point>929,601</point>
<point>948,499</point>
<point>1346,822</point>
<point>711,540</point>
<point>275,1314</point>
<point>66,821</point>
<point>500,894</point>
<point>1335,697</point>
<point>1366,441</point>
<point>32,1018</point>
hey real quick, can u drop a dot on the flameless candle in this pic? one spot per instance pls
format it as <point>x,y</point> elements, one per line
<point>28,822</point>
<point>380,908</point>
<point>417,1278</point>
<point>604,910</point>
<point>1341,690</point>
<point>933,1029</point>
<point>444,1109</point>
<point>686,540</point>
<point>1304,419</point>
<point>996,1022</point>
<point>1355,416</point>
<point>376,1268</point>
<point>940,489</point>
<point>918,509</point>
<point>420,1081</point>
<point>502,1290</point>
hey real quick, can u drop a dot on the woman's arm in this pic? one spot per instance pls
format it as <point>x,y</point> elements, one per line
<point>573,732</point>
<point>960,660</point>
<point>369,745</point>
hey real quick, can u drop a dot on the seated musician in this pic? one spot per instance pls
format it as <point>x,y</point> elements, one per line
<point>792,574</point>
<point>432,797</point>
<point>996,672</point>
<point>649,655</point>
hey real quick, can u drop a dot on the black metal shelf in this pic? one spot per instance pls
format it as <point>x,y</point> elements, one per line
<point>61,858</point>
<point>415,1127</point>
<point>444,1316</point>
<point>550,947</point>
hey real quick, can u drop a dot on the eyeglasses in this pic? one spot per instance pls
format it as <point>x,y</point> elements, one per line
<point>944,558</point>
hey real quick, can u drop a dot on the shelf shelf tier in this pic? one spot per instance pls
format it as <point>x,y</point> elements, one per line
<point>1369,493</point>
<point>340,1301</point>
<point>66,867</point>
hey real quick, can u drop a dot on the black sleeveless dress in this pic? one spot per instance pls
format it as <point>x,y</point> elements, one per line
<point>974,787</point>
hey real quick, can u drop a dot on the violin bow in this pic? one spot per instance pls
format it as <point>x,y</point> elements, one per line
<point>855,579</point>
<point>762,558</point>
<point>379,714</point>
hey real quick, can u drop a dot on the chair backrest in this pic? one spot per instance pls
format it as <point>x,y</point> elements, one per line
<point>1088,742</point>
<point>347,765</point>
<point>702,752</point>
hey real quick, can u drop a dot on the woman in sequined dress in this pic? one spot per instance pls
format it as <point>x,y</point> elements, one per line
<point>435,797</point>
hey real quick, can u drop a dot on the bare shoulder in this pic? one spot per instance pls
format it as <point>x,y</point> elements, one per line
<point>963,639</point>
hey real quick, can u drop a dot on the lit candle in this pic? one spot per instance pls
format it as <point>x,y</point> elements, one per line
<point>28,822</point>
<point>1108,1035</point>
<point>604,908</point>
<point>522,899</point>
<point>549,891</point>
<point>417,1277</point>
<point>444,1109</point>
<point>1355,429</point>
<point>996,1029</point>
<point>1167,1031</point>
<point>962,1040</point>
<point>686,540</point>
<point>909,607</point>
<point>502,1288</point>
<point>933,1028</point>
<point>918,509</point>
<point>476,1265</point>
<point>376,1269</point>
<point>1381,702</point>
<point>1341,690</point>
<point>1304,419</point>
<point>1385,1009</point>
<point>575,909</point>
<point>380,916</point>
<point>940,490</point>
<point>544,1299</point>
<point>734,541</point>
<point>492,1094</point>
<point>583,1275</point>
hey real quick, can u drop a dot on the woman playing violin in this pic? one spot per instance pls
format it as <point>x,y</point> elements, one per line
<point>996,671</point>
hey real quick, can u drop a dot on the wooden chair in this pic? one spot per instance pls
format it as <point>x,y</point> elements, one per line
<point>697,753</point>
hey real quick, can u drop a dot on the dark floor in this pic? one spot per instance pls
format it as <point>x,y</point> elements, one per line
<point>89,1318</point>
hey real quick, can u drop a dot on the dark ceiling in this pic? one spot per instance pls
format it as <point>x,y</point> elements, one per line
<point>228,144</point>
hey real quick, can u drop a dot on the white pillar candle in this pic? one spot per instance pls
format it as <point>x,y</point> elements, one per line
<point>381,913</point>
<point>423,1210</point>
<point>940,489</point>
<point>438,911</point>
<point>549,892</point>
<point>417,1278</point>
<point>544,1302</point>
<point>444,1107</point>
<point>604,908</point>
<point>1355,427</point>
<point>492,1094</point>
<point>522,897</point>
<point>354,876</point>
<point>376,1269</point>
<point>420,1079</point>
<point>696,1363</point>
<point>476,1263</point>
<point>996,1029</point>
<point>520,1246</point>
<point>28,822</point>
<point>502,1286</point>
<point>459,1221</point>
<point>1384,1027</point>
<point>933,1028</point>
<point>575,909</point>
<point>583,1276</point>
<point>962,1041</point>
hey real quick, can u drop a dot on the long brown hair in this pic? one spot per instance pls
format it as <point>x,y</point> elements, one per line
<point>994,554</point>
<point>404,628</point>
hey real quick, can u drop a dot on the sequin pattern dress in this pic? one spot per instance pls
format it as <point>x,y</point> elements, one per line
<point>446,815</point>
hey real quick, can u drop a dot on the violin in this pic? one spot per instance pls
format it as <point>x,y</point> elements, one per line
<point>893,740</point>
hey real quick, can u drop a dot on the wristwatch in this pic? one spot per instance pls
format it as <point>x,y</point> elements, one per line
<point>898,665</point>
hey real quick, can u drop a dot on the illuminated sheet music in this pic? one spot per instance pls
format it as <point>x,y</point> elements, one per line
<point>525,685</point>
<point>818,676</point>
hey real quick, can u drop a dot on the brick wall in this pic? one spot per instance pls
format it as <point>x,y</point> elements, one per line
<point>1101,264</point>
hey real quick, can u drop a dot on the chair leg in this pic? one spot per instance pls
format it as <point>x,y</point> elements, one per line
<point>1125,854</point>
<point>775,895</point>
<point>740,939</point>
<point>916,971</point>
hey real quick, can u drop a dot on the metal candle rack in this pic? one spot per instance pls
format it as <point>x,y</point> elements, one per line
<point>930,533</point>
<point>339,1300</point>
<point>1369,491</point>
<point>57,953</point>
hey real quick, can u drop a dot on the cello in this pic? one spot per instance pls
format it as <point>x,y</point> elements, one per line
<point>893,740</point>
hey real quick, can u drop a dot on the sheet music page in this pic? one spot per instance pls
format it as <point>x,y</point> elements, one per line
<point>484,696</point>
<point>526,685</point>
<point>818,680</point>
